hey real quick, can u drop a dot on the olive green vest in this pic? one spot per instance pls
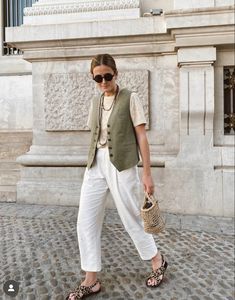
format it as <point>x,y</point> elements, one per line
<point>122,143</point>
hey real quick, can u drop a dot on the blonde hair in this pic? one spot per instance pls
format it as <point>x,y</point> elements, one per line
<point>103,59</point>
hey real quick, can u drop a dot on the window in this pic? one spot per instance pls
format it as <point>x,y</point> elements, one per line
<point>229,100</point>
<point>13,16</point>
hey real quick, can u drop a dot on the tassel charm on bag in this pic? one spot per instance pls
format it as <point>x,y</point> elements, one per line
<point>150,212</point>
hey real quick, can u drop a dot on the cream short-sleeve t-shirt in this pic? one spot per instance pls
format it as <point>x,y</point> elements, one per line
<point>136,112</point>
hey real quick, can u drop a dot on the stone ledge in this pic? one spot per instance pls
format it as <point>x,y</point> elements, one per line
<point>14,65</point>
<point>200,10</point>
<point>84,7</point>
<point>69,160</point>
<point>89,29</point>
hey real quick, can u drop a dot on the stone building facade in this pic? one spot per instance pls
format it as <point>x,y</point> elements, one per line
<point>175,60</point>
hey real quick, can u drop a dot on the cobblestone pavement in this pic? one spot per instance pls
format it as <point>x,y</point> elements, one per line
<point>38,248</point>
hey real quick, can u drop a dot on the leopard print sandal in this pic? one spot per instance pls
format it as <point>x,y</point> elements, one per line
<point>83,291</point>
<point>158,275</point>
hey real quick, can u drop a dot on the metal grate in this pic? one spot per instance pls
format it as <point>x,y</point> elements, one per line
<point>13,16</point>
<point>229,100</point>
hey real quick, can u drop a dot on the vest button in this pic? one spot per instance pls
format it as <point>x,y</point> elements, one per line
<point>109,140</point>
<point>110,148</point>
<point>108,132</point>
<point>111,155</point>
<point>108,125</point>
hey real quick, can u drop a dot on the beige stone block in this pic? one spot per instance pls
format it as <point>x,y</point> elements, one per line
<point>196,54</point>
<point>13,144</point>
<point>8,196</point>
<point>213,187</point>
<point>50,185</point>
<point>183,191</point>
<point>228,192</point>
<point>228,156</point>
<point>9,177</point>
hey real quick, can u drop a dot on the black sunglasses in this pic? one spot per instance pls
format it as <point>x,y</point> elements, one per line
<point>106,77</point>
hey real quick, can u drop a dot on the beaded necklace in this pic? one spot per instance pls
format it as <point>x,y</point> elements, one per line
<point>101,108</point>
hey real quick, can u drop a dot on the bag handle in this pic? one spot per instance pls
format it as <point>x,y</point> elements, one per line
<point>151,198</point>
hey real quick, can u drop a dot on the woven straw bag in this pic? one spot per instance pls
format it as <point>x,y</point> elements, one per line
<point>151,215</point>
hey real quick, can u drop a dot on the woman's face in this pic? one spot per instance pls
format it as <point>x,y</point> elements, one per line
<point>108,87</point>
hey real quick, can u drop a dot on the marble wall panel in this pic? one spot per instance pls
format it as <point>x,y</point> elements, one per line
<point>67,97</point>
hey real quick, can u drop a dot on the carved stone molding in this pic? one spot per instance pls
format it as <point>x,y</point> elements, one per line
<point>80,7</point>
<point>68,96</point>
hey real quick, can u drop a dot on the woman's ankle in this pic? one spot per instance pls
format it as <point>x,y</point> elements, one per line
<point>91,278</point>
<point>156,261</point>
<point>157,257</point>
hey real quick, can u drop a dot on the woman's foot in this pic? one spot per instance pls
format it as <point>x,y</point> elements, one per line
<point>159,266</point>
<point>86,289</point>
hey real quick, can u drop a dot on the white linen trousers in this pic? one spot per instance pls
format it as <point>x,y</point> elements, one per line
<point>125,188</point>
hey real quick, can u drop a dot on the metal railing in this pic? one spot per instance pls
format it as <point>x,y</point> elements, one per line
<point>13,11</point>
<point>229,100</point>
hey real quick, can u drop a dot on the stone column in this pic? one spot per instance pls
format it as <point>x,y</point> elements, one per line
<point>200,184</point>
<point>197,89</point>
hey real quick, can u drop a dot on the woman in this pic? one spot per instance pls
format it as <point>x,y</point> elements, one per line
<point>117,125</point>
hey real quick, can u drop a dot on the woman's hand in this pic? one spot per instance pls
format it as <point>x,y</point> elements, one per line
<point>148,184</point>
